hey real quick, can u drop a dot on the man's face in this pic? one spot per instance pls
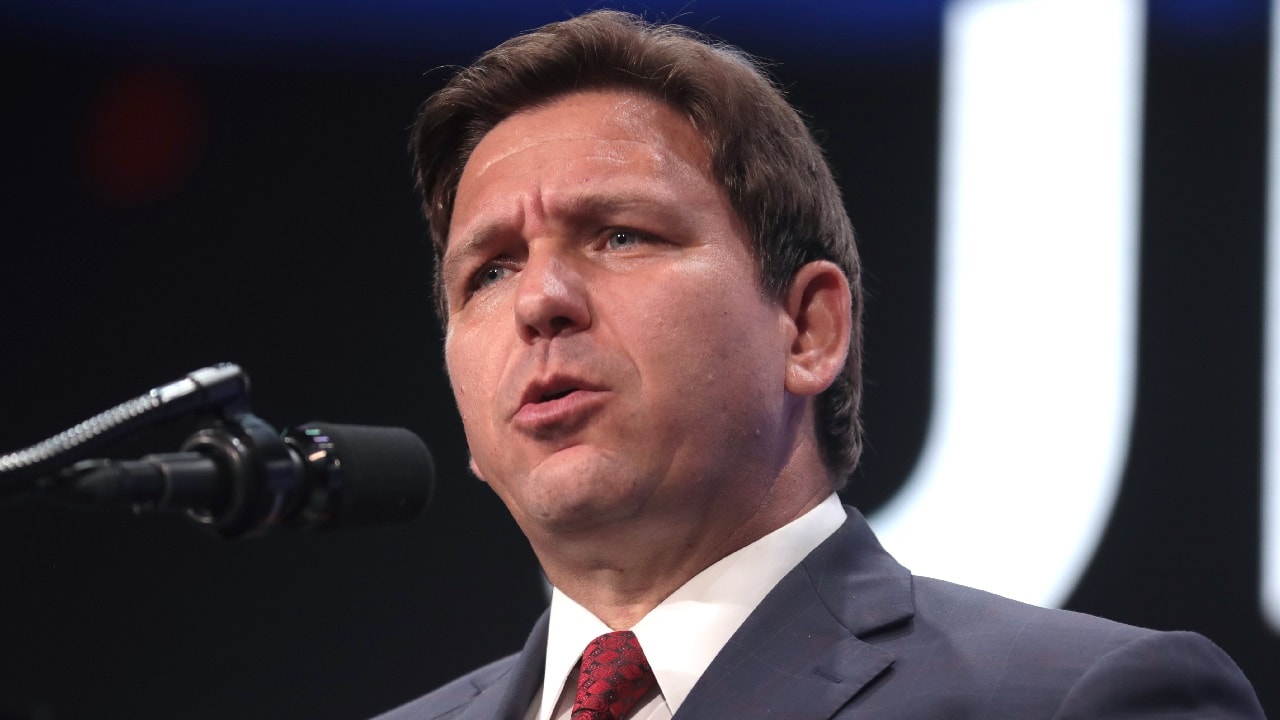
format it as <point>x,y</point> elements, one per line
<point>613,356</point>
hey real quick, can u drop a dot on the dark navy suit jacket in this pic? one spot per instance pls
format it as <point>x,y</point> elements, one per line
<point>850,633</point>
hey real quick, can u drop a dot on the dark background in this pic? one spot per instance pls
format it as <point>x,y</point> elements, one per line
<point>224,181</point>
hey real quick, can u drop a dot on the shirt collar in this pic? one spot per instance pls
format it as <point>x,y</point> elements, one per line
<point>684,633</point>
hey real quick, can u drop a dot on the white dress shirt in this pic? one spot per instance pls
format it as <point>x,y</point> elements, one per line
<point>687,630</point>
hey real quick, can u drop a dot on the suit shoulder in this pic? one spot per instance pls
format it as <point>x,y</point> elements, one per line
<point>1189,674</point>
<point>448,699</point>
<point>961,609</point>
<point>1080,665</point>
<point>970,621</point>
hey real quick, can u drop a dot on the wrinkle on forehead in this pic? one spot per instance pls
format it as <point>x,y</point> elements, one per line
<point>633,121</point>
<point>609,151</point>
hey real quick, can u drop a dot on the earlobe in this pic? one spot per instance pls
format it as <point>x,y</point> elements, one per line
<point>819,305</point>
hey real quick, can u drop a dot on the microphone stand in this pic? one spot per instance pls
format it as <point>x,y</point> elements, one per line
<point>237,475</point>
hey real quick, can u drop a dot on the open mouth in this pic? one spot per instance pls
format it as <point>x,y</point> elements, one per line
<point>556,395</point>
<point>559,405</point>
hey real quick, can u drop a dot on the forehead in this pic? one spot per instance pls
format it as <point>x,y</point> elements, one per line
<point>597,135</point>
<point>592,115</point>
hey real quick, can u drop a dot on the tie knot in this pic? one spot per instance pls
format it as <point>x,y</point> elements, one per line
<point>613,677</point>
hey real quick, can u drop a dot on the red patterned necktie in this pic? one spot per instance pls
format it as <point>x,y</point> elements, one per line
<point>613,678</point>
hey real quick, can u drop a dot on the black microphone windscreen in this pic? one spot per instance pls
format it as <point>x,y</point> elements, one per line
<point>378,475</point>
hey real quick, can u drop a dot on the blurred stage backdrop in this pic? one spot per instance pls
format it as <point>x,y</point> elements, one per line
<point>1063,207</point>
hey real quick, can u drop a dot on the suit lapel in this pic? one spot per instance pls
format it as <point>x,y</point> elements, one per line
<point>508,696</point>
<point>801,654</point>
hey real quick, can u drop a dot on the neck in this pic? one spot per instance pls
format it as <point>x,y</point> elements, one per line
<point>621,581</point>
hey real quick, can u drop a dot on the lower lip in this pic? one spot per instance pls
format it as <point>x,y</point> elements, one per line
<point>561,413</point>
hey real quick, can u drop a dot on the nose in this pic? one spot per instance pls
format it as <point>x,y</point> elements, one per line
<point>551,298</point>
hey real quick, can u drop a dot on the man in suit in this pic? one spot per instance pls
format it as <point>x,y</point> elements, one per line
<point>652,308</point>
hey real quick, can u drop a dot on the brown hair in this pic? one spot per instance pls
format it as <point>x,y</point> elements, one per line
<point>761,150</point>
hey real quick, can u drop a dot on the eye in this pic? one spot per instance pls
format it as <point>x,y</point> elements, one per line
<point>488,275</point>
<point>618,239</point>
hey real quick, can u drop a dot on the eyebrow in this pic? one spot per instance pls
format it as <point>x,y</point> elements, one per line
<point>454,259</point>
<point>586,208</point>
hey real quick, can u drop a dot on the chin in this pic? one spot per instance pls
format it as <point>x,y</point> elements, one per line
<point>579,512</point>
<point>581,507</point>
<point>575,490</point>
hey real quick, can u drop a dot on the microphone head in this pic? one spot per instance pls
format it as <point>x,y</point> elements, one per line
<point>361,475</point>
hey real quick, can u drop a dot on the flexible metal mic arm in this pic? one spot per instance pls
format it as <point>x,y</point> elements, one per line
<point>221,388</point>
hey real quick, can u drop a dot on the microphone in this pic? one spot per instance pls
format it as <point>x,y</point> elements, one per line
<point>242,479</point>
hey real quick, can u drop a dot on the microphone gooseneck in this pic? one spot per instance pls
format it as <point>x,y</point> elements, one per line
<point>203,389</point>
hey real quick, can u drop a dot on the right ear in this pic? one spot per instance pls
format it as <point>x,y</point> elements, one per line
<point>818,303</point>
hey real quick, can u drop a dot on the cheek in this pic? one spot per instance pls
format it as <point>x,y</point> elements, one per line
<point>466,374</point>
<point>705,340</point>
<point>473,400</point>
